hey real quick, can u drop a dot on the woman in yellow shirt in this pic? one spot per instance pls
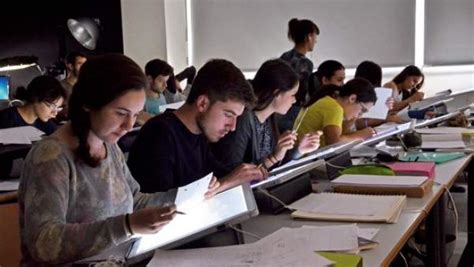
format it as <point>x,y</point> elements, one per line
<point>338,103</point>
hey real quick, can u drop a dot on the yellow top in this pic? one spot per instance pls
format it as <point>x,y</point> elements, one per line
<point>324,112</point>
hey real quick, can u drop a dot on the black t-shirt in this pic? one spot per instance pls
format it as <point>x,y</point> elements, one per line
<point>10,118</point>
<point>167,155</point>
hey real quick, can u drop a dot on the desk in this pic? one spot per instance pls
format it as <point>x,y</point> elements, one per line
<point>391,237</point>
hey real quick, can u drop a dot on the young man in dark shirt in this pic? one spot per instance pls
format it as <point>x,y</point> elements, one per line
<point>172,149</point>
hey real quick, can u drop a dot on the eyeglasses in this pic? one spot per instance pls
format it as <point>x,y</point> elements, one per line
<point>364,108</point>
<point>53,106</point>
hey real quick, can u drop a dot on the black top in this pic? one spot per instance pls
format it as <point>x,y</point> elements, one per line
<point>167,155</point>
<point>248,144</point>
<point>10,118</point>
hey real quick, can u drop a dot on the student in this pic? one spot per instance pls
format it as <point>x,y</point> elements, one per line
<point>158,73</point>
<point>256,138</point>
<point>77,197</point>
<point>43,99</point>
<point>304,35</point>
<point>370,71</point>
<point>172,149</point>
<point>328,113</point>
<point>74,62</point>
<point>329,72</point>
<point>405,87</point>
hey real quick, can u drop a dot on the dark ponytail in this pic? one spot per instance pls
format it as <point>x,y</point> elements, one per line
<point>20,93</point>
<point>101,80</point>
<point>299,29</point>
<point>360,87</point>
<point>331,90</point>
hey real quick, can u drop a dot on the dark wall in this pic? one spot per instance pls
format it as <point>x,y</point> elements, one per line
<point>40,29</point>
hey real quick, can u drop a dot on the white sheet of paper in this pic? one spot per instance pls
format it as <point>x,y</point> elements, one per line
<point>317,238</point>
<point>441,137</point>
<point>443,144</point>
<point>380,109</point>
<point>344,204</point>
<point>192,194</point>
<point>367,233</point>
<point>20,135</point>
<point>9,185</point>
<point>171,106</point>
<point>278,254</point>
<point>378,180</point>
<point>445,130</point>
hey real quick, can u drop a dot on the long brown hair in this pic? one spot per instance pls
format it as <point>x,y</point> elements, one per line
<point>102,80</point>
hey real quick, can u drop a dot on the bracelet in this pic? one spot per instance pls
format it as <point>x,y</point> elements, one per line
<point>127,223</point>
<point>275,160</point>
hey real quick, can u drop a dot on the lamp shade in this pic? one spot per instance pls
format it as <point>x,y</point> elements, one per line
<point>85,31</point>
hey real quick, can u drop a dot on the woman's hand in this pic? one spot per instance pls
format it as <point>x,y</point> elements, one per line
<point>286,142</point>
<point>389,103</point>
<point>418,96</point>
<point>212,189</point>
<point>151,220</point>
<point>309,142</point>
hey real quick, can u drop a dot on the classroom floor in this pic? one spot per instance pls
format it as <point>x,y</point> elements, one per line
<point>461,202</point>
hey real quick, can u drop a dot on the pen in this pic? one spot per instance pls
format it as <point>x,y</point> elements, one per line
<point>180,212</point>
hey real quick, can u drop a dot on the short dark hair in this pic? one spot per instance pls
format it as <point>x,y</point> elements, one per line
<point>299,29</point>
<point>157,67</point>
<point>41,88</point>
<point>272,75</point>
<point>221,80</point>
<point>371,71</point>
<point>71,57</point>
<point>102,80</point>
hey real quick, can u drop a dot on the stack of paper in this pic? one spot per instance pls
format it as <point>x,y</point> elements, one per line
<point>411,186</point>
<point>349,207</point>
<point>285,247</point>
<point>20,135</point>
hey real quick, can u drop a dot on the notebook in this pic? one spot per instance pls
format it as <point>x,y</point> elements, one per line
<point>411,186</point>
<point>414,168</point>
<point>349,207</point>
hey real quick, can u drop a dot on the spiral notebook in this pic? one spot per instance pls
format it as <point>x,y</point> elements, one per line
<point>349,207</point>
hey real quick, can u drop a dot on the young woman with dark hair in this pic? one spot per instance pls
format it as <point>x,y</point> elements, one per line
<point>256,138</point>
<point>43,99</point>
<point>77,197</point>
<point>303,33</point>
<point>370,71</point>
<point>328,72</point>
<point>405,87</point>
<point>328,113</point>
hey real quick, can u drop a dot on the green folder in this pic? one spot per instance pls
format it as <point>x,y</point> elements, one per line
<point>343,259</point>
<point>437,157</point>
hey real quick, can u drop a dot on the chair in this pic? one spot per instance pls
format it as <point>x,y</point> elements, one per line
<point>10,253</point>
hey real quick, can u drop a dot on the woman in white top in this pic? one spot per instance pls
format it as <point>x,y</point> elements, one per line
<point>405,87</point>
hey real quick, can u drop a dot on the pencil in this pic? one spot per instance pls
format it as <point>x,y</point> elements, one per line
<point>260,166</point>
<point>295,129</point>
